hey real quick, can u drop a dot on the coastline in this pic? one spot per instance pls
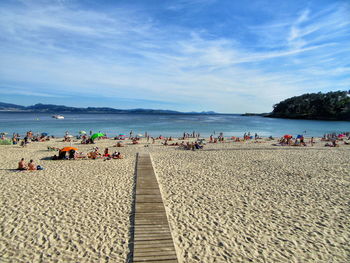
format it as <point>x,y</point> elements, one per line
<point>231,202</point>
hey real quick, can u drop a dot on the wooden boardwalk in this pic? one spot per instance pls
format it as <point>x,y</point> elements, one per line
<point>152,237</point>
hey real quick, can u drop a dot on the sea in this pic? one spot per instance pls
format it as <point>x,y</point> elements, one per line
<point>165,124</point>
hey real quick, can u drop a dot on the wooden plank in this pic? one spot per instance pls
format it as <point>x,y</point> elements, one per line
<point>151,221</point>
<point>152,258</point>
<point>146,210</point>
<point>153,238</point>
<point>148,223</point>
<point>143,228</point>
<point>148,205</point>
<point>152,241</point>
<point>154,191</point>
<point>154,235</point>
<point>142,205</point>
<point>152,249</point>
<point>154,253</point>
<point>150,216</point>
<point>154,232</point>
<point>153,244</point>
<point>156,211</point>
<point>148,199</point>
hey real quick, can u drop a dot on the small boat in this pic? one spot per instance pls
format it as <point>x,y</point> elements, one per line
<point>58,116</point>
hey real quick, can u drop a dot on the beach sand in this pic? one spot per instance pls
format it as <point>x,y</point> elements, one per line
<point>232,202</point>
<point>73,211</point>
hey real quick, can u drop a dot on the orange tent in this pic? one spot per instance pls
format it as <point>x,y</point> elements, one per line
<point>67,149</point>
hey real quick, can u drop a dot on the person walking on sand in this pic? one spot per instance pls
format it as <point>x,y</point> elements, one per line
<point>22,165</point>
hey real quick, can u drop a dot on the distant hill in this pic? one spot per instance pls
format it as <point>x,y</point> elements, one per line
<point>315,106</point>
<point>61,109</point>
<point>9,106</point>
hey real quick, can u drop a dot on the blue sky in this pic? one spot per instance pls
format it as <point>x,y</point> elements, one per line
<point>188,55</point>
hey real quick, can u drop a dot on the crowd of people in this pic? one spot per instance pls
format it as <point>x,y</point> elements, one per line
<point>331,139</point>
<point>29,137</point>
<point>93,154</point>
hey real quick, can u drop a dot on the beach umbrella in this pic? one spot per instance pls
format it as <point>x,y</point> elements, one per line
<point>69,136</point>
<point>287,136</point>
<point>82,132</point>
<point>44,134</point>
<point>341,135</point>
<point>299,136</point>
<point>140,135</point>
<point>67,149</point>
<point>121,134</point>
<point>96,135</point>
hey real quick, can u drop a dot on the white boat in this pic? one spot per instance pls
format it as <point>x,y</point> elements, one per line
<point>58,116</point>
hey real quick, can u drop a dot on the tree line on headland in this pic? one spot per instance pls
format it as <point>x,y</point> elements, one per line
<point>315,106</point>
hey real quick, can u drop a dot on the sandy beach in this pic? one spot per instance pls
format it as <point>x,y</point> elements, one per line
<point>231,202</point>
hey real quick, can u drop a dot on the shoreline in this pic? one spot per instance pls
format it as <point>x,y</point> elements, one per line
<point>166,125</point>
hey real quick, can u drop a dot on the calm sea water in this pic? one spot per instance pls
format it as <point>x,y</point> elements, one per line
<point>167,125</point>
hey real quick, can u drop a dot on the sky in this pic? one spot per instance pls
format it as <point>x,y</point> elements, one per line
<point>187,55</point>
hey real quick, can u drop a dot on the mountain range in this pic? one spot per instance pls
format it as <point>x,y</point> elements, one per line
<point>60,109</point>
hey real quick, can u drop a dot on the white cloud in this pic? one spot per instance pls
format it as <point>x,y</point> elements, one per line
<point>127,52</point>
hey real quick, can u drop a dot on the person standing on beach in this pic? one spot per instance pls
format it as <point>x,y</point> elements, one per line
<point>14,139</point>
<point>24,142</point>
<point>312,141</point>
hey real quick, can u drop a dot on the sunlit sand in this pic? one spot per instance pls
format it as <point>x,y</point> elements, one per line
<point>231,202</point>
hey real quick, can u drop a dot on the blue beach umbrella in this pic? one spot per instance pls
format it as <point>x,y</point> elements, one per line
<point>44,134</point>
